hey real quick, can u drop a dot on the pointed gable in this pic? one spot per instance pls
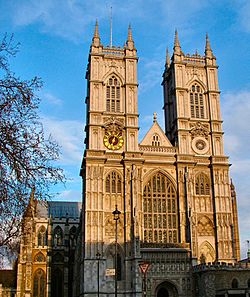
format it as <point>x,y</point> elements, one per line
<point>155,136</point>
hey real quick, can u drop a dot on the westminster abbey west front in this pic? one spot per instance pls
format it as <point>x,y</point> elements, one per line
<point>167,201</point>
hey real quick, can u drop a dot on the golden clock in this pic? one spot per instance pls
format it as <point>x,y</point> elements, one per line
<point>113,140</point>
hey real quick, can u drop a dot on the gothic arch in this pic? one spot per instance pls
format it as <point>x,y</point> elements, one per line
<point>166,289</point>
<point>154,171</point>
<point>206,253</point>
<point>42,236</point>
<point>58,236</point>
<point>197,100</point>
<point>39,257</point>
<point>197,81</point>
<point>118,175</point>
<point>205,226</point>
<point>39,283</point>
<point>160,209</point>
<point>111,73</point>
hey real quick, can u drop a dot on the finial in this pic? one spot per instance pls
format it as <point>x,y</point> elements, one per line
<point>96,38</point>
<point>167,58</point>
<point>130,38</point>
<point>176,39</point>
<point>96,34</point>
<point>155,117</point>
<point>177,47</point>
<point>208,50</point>
<point>130,41</point>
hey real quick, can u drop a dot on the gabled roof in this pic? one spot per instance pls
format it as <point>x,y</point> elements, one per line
<point>156,130</point>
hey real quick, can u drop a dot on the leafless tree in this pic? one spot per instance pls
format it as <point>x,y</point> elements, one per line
<point>26,155</point>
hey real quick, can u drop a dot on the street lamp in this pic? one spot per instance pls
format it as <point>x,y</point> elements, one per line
<point>116,213</point>
<point>98,257</point>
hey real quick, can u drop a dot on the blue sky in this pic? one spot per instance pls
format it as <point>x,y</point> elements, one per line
<point>55,36</point>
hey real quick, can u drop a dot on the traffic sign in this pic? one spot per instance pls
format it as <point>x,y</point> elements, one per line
<point>144,267</point>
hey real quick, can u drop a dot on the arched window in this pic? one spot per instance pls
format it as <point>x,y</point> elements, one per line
<point>156,140</point>
<point>235,284</point>
<point>57,283</point>
<point>113,95</point>
<point>160,210</point>
<point>202,185</point>
<point>113,183</point>
<point>197,102</point>
<point>39,257</point>
<point>72,236</point>
<point>58,236</point>
<point>39,284</point>
<point>42,236</point>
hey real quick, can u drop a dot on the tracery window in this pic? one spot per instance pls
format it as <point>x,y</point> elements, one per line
<point>160,210</point>
<point>39,283</point>
<point>39,258</point>
<point>58,236</point>
<point>42,236</point>
<point>113,95</point>
<point>202,185</point>
<point>197,104</point>
<point>156,140</point>
<point>113,183</point>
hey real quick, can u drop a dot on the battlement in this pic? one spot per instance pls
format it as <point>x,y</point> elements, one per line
<point>221,266</point>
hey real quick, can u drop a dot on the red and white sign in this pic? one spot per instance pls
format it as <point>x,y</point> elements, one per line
<point>144,267</point>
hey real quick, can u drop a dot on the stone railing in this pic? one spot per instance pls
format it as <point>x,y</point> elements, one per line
<point>113,51</point>
<point>157,149</point>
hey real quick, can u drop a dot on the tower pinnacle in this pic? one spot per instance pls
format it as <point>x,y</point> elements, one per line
<point>96,37</point>
<point>208,50</point>
<point>177,47</point>
<point>130,41</point>
<point>167,64</point>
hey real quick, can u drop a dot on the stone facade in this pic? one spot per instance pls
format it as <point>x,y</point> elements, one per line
<point>45,263</point>
<point>178,206</point>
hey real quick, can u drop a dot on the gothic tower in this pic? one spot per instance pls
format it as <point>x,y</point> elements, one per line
<point>193,123</point>
<point>111,147</point>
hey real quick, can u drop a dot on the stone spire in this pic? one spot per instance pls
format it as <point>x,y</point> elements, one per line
<point>208,50</point>
<point>177,47</point>
<point>96,38</point>
<point>130,41</point>
<point>167,64</point>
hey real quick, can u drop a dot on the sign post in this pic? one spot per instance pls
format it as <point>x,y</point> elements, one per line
<point>144,266</point>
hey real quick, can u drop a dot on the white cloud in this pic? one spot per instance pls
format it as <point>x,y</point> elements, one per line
<point>69,135</point>
<point>51,99</point>
<point>70,195</point>
<point>236,115</point>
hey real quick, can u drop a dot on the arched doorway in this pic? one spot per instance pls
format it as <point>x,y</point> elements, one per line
<point>166,289</point>
<point>163,292</point>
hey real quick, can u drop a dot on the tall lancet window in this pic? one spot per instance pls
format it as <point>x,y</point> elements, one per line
<point>197,102</point>
<point>113,183</point>
<point>160,210</point>
<point>113,95</point>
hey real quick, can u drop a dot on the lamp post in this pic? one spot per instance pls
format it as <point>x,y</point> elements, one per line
<point>98,256</point>
<point>116,213</point>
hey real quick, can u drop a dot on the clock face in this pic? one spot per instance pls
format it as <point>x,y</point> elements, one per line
<point>113,140</point>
